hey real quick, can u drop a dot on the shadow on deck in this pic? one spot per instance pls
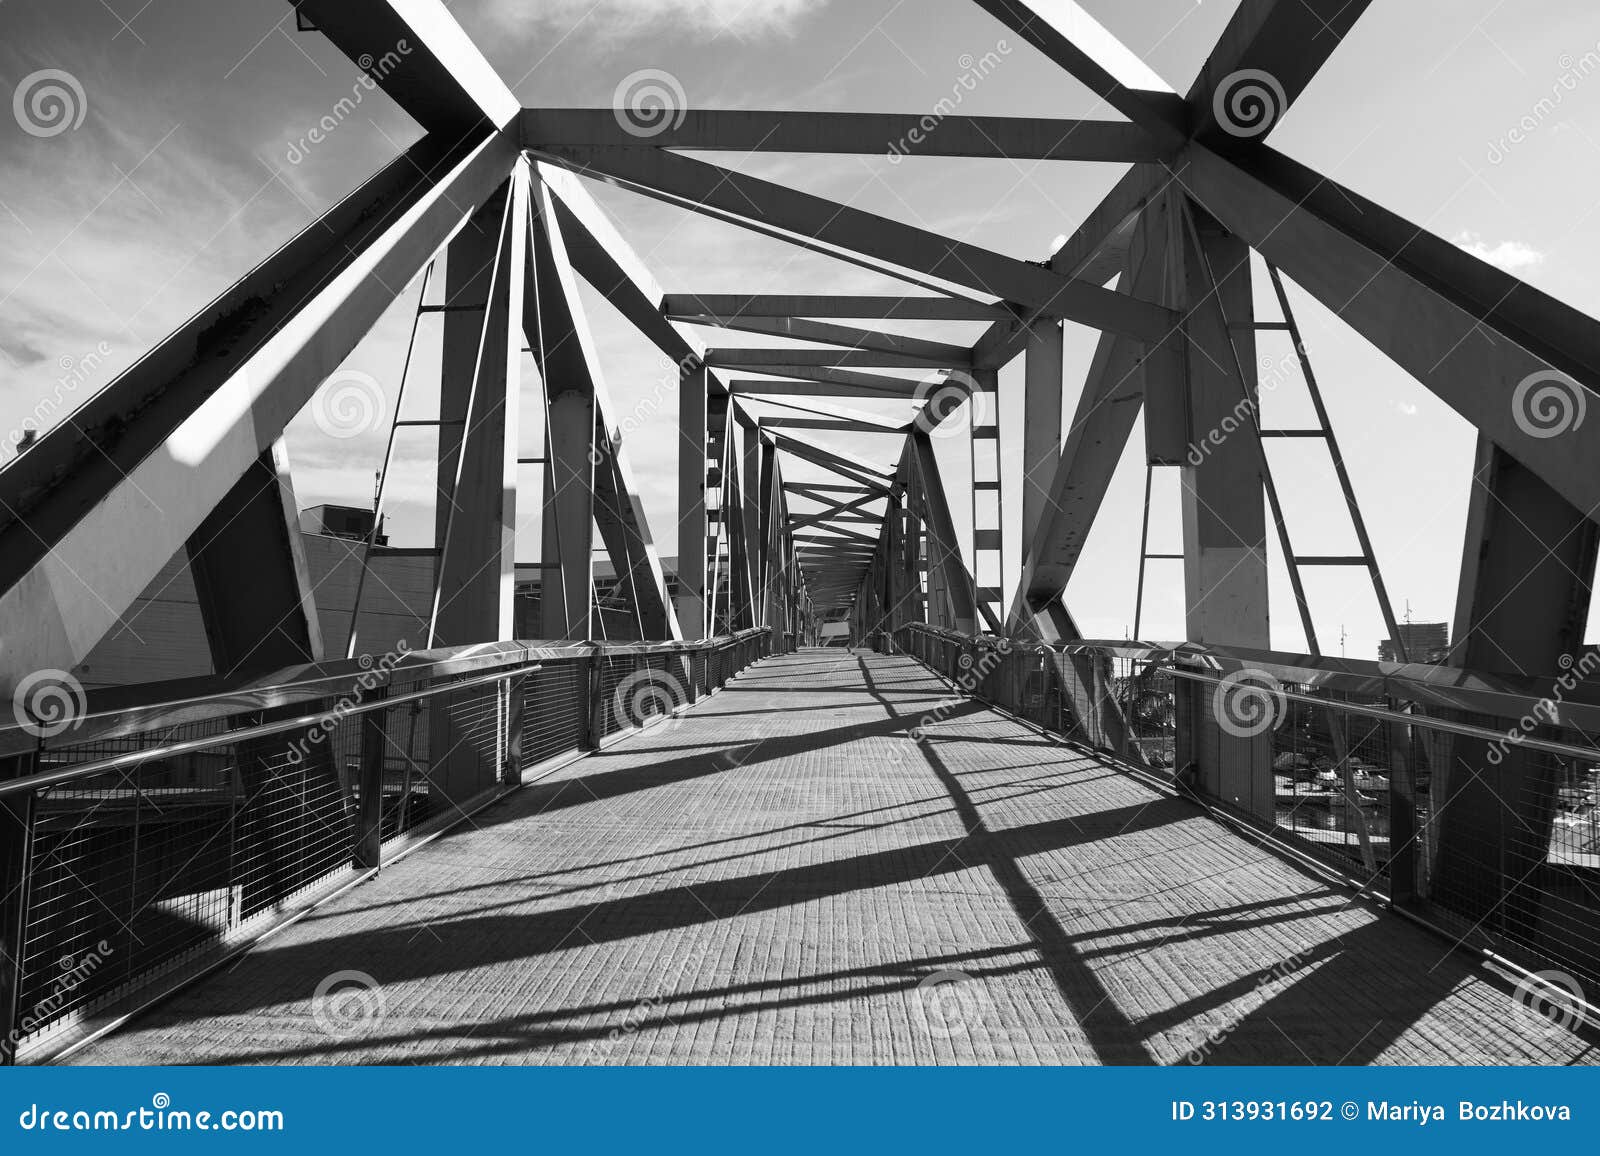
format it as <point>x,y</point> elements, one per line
<point>783,875</point>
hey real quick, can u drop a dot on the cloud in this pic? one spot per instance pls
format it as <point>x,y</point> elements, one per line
<point>636,17</point>
<point>1512,256</point>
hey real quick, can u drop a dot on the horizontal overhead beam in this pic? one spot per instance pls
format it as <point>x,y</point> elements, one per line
<point>699,186</point>
<point>876,384</point>
<point>832,424</point>
<point>836,412</point>
<point>754,389</point>
<point>846,465</point>
<point>830,305</point>
<point>933,353</point>
<point>892,134</point>
<point>782,360</point>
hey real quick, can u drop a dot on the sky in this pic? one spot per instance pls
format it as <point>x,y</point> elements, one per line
<point>185,160</point>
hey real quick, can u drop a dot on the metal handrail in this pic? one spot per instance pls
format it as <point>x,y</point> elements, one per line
<point>538,707</point>
<point>1447,688</point>
<point>1168,659</point>
<point>259,730</point>
<point>277,690</point>
<point>1468,730</point>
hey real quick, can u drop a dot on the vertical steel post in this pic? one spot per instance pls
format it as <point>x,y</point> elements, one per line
<point>374,744</point>
<point>16,885</point>
<point>516,691</point>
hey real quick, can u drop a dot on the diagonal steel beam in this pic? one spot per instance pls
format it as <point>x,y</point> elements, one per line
<point>144,461</point>
<point>832,305</point>
<point>1284,41</point>
<point>1077,42</point>
<point>1469,332</point>
<point>419,55</point>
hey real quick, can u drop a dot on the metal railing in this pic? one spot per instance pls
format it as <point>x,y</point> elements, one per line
<point>1469,799</point>
<point>170,825</point>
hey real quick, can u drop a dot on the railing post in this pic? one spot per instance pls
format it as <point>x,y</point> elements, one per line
<point>589,705</point>
<point>16,888</point>
<point>1402,817</point>
<point>691,690</point>
<point>369,788</point>
<point>516,693</point>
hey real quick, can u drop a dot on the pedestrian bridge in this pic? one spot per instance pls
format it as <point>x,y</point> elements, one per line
<point>472,797</point>
<point>838,858</point>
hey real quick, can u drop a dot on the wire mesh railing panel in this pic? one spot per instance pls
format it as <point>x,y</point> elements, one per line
<point>1330,781</point>
<point>1508,838</point>
<point>174,840</point>
<point>662,674</point>
<point>1142,692</point>
<point>468,727</point>
<point>555,699</point>
<point>295,825</point>
<point>1490,825</point>
<point>614,671</point>
<point>133,870</point>
<point>406,800</point>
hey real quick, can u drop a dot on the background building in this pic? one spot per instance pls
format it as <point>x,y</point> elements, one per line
<point>1424,642</point>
